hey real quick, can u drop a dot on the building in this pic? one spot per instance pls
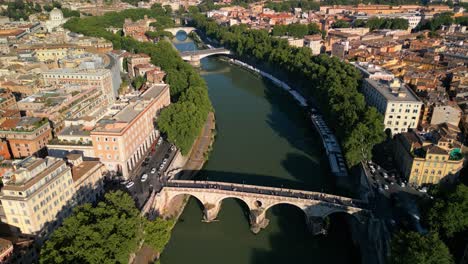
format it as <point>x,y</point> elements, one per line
<point>314,42</point>
<point>138,28</point>
<point>26,136</point>
<point>100,78</point>
<point>6,250</point>
<point>121,139</point>
<point>135,60</point>
<point>430,158</point>
<point>36,195</point>
<point>40,193</point>
<point>446,113</point>
<point>7,100</point>
<point>87,179</point>
<point>56,19</point>
<point>399,105</point>
<point>372,71</point>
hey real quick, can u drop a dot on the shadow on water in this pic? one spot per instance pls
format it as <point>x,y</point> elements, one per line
<point>335,247</point>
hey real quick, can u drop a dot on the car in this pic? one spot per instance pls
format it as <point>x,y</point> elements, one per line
<point>386,187</point>
<point>173,148</point>
<point>144,177</point>
<point>124,182</point>
<point>402,184</point>
<point>153,170</point>
<point>129,185</point>
<point>385,175</point>
<point>423,190</point>
<point>160,140</point>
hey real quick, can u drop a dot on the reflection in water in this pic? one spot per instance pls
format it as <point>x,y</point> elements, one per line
<point>263,138</point>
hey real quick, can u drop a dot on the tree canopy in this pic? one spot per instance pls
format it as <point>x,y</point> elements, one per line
<point>295,30</point>
<point>106,233</point>
<point>411,247</point>
<point>386,23</point>
<point>341,24</point>
<point>449,212</point>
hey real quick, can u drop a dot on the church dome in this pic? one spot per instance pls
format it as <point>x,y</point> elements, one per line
<point>56,14</point>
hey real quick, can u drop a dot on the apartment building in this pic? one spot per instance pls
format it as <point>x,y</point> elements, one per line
<point>87,178</point>
<point>101,78</point>
<point>7,100</point>
<point>428,158</point>
<point>372,71</point>
<point>121,139</point>
<point>26,135</point>
<point>446,113</point>
<point>397,102</point>
<point>36,194</point>
<point>39,193</point>
<point>314,42</point>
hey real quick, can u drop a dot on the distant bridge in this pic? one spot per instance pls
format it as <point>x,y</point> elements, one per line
<point>174,31</point>
<point>194,57</point>
<point>258,199</point>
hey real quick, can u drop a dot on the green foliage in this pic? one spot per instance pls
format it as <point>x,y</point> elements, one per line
<point>438,21</point>
<point>333,83</point>
<point>70,13</point>
<point>134,2</point>
<point>411,247</point>
<point>387,23</point>
<point>157,233</point>
<point>138,82</point>
<point>19,9</point>
<point>158,34</point>
<point>287,6</point>
<point>341,24</point>
<point>107,233</point>
<point>295,30</point>
<point>449,213</point>
<point>189,116</point>
<point>462,20</point>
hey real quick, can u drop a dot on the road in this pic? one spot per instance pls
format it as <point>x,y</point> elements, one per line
<point>141,190</point>
<point>332,199</point>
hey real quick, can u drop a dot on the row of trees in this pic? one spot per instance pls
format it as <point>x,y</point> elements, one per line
<point>333,83</point>
<point>286,6</point>
<point>446,216</point>
<point>19,9</point>
<point>106,233</point>
<point>382,23</point>
<point>295,30</point>
<point>183,120</point>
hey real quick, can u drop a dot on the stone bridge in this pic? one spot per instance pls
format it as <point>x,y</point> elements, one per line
<point>174,31</point>
<point>194,57</point>
<point>316,206</point>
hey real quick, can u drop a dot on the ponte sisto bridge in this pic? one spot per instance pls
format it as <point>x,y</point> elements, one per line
<point>259,199</point>
<point>174,31</point>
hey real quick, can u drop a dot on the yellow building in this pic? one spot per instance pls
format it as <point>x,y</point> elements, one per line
<point>56,52</point>
<point>36,194</point>
<point>424,161</point>
<point>40,193</point>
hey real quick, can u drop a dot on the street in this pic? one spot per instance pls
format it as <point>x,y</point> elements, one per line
<point>141,190</point>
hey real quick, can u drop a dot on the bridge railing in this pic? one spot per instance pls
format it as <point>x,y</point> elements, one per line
<point>301,194</point>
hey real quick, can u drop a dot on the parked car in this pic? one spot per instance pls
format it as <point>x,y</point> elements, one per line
<point>129,185</point>
<point>173,148</point>
<point>160,140</point>
<point>386,187</point>
<point>144,177</point>
<point>153,170</point>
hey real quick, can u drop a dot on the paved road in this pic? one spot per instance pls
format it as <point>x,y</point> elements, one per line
<point>141,190</point>
<point>275,192</point>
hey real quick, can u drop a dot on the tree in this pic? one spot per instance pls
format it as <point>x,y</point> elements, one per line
<point>107,233</point>
<point>138,82</point>
<point>449,213</point>
<point>158,233</point>
<point>411,247</point>
<point>341,24</point>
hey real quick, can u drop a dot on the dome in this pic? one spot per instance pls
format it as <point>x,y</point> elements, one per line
<point>56,14</point>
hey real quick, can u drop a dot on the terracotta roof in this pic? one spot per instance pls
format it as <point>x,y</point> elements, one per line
<point>83,168</point>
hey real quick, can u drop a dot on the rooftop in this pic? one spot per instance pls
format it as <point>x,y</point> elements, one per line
<point>84,167</point>
<point>394,90</point>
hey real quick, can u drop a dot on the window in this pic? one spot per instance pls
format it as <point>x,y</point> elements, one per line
<point>27,222</point>
<point>15,220</point>
<point>389,122</point>
<point>415,111</point>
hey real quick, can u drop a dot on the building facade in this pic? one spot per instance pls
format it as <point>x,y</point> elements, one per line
<point>399,105</point>
<point>26,135</point>
<point>424,161</point>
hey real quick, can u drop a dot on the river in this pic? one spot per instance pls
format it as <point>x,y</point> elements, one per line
<point>265,138</point>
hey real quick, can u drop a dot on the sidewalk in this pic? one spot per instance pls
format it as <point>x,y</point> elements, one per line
<point>200,147</point>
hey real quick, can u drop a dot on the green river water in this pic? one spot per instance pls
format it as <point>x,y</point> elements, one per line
<point>265,138</point>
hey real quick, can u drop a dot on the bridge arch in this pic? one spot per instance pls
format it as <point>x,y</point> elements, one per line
<point>175,30</point>
<point>173,199</point>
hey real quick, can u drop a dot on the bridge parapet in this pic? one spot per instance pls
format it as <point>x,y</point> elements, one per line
<point>258,200</point>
